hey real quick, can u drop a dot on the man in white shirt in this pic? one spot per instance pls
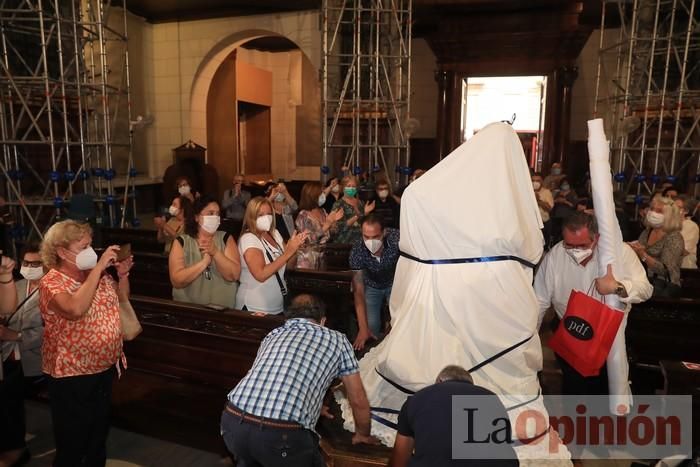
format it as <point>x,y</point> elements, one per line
<point>689,231</point>
<point>571,264</point>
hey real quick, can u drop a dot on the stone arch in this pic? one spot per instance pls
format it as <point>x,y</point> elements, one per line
<point>211,62</point>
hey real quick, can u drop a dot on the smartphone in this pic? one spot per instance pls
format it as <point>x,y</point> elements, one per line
<point>124,252</point>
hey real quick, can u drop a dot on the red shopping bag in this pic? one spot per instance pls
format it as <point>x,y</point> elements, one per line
<point>586,333</point>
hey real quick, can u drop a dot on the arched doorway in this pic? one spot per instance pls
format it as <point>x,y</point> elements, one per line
<point>256,102</point>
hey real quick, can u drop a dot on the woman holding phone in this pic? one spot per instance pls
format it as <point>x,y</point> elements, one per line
<point>79,303</point>
<point>264,257</point>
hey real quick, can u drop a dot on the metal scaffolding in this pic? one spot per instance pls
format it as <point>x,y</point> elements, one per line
<point>65,110</point>
<point>648,90</point>
<point>366,86</point>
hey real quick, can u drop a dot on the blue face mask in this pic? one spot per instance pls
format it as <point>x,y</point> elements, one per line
<point>556,171</point>
<point>565,188</point>
<point>350,191</point>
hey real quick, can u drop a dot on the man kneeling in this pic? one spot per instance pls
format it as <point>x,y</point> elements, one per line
<point>425,434</point>
<point>270,415</point>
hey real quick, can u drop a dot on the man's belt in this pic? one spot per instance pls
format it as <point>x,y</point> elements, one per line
<point>246,417</point>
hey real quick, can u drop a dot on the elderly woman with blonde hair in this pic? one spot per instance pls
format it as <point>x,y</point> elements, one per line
<point>661,247</point>
<point>82,344</point>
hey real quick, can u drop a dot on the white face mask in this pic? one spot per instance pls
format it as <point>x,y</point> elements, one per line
<point>655,219</point>
<point>536,185</point>
<point>32,274</point>
<point>383,194</point>
<point>373,245</point>
<point>322,199</point>
<point>579,254</point>
<point>184,190</point>
<point>86,259</point>
<point>210,223</point>
<point>264,222</point>
<point>336,189</point>
<point>279,197</point>
<point>173,211</point>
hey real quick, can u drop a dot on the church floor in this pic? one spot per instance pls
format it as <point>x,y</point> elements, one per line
<point>124,448</point>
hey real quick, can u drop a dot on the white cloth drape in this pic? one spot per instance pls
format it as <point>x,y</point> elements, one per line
<point>477,202</point>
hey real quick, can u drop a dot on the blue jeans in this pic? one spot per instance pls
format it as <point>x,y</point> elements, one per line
<point>374,299</point>
<point>255,445</point>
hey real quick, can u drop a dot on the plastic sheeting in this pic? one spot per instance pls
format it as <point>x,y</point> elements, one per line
<point>477,202</point>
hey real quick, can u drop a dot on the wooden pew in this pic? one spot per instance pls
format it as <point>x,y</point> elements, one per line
<point>690,280</point>
<point>142,240</point>
<point>661,329</point>
<point>333,287</point>
<point>181,368</point>
<point>149,276</point>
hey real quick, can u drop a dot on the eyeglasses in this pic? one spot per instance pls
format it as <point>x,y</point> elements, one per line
<point>32,264</point>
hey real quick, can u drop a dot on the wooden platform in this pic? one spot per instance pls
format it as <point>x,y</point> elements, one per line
<point>337,447</point>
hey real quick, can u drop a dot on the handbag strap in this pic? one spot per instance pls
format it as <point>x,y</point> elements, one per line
<point>19,307</point>
<point>280,282</point>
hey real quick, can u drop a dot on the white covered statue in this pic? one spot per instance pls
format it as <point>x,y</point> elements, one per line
<point>477,210</point>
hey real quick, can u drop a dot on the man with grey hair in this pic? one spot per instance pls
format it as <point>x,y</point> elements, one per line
<point>453,373</point>
<point>572,264</point>
<point>425,431</point>
<point>279,401</point>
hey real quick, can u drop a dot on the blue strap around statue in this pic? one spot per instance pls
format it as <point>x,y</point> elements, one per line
<point>480,259</point>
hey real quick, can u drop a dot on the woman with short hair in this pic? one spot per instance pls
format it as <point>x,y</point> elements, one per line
<point>313,220</point>
<point>172,228</point>
<point>82,343</point>
<point>20,345</point>
<point>203,262</point>
<point>660,246</point>
<point>284,207</point>
<point>263,259</point>
<point>353,209</point>
<point>184,188</point>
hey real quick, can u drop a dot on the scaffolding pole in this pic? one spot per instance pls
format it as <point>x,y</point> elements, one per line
<point>63,81</point>
<point>648,89</point>
<point>366,83</point>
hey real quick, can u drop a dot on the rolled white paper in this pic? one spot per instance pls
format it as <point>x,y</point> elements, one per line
<point>610,246</point>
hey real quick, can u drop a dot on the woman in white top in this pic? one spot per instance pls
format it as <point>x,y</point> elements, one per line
<point>263,259</point>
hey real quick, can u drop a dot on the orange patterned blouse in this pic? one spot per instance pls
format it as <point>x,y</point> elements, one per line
<point>85,346</point>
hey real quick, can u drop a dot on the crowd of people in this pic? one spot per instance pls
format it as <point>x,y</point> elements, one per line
<point>665,238</point>
<point>209,267</point>
<point>62,320</point>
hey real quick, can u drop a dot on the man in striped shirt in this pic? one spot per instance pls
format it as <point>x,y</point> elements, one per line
<point>271,414</point>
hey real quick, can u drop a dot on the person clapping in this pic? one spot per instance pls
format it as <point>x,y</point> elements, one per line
<point>264,258</point>
<point>204,264</point>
